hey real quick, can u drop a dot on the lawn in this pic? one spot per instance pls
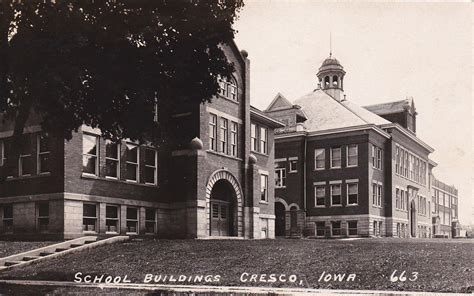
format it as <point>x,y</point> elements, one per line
<point>440,265</point>
<point>8,248</point>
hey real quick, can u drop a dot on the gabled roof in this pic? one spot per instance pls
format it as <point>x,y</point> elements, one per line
<point>279,103</point>
<point>260,115</point>
<point>392,107</point>
<point>324,112</point>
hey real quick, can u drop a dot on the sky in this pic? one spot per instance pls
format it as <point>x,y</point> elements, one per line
<point>389,51</point>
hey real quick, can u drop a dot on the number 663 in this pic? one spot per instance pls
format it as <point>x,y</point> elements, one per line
<point>403,276</point>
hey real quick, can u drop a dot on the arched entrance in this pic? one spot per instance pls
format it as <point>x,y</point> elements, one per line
<point>224,205</point>
<point>413,218</point>
<point>280,212</point>
<point>222,209</point>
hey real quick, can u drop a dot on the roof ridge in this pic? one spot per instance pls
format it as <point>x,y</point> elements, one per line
<point>348,108</point>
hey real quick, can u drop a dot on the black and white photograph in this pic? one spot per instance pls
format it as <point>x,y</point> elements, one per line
<point>236,147</point>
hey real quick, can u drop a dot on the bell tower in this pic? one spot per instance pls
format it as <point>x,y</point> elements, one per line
<point>331,77</point>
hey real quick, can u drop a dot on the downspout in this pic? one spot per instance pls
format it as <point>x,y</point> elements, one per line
<point>304,174</point>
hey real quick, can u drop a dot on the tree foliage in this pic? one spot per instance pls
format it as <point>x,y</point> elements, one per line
<point>106,63</point>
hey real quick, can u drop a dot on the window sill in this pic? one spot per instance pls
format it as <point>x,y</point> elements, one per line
<point>224,155</point>
<point>28,177</point>
<point>280,187</point>
<point>336,206</point>
<point>228,99</point>
<point>89,232</point>
<point>352,166</point>
<point>335,168</point>
<point>320,207</point>
<point>321,169</point>
<point>378,207</point>
<point>111,232</point>
<point>93,177</point>
<point>352,205</point>
<point>263,202</point>
<point>259,153</point>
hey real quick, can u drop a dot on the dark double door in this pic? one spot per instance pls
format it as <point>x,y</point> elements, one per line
<point>220,218</point>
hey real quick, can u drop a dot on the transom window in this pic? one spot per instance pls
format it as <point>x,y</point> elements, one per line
<point>320,196</point>
<point>89,217</point>
<point>132,164</point>
<point>111,218</point>
<point>43,149</point>
<point>319,159</point>
<point>336,195</point>
<point>352,155</point>
<point>336,157</point>
<point>112,165</point>
<point>90,154</point>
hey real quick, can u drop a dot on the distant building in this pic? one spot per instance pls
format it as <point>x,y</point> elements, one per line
<point>342,170</point>
<point>445,210</point>
<point>214,179</point>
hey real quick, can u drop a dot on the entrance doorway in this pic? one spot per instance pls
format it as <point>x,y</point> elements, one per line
<point>222,209</point>
<point>280,213</point>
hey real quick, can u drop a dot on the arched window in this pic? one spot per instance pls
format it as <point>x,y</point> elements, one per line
<point>228,89</point>
<point>326,81</point>
<point>335,80</point>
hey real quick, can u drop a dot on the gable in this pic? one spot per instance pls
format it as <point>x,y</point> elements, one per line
<point>279,103</point>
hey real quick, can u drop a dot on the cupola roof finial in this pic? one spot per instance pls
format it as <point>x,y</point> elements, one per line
<point>330,44</point>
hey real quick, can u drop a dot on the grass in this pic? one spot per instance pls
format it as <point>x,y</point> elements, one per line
<point>8,248</point>
<point>442,265</point>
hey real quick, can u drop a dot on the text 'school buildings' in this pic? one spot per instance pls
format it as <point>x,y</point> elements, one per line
<point>217,179</point>
<point>345,170</point>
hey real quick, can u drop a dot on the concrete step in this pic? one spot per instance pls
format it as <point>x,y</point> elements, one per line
<point>89,242</point>
<point>10,263</point>
<point>61,249</point>
<point>75,245</point>
<point>28,258</point>
<point>45,253</point>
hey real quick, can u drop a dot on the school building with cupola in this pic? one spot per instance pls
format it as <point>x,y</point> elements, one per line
<point>342,170</point>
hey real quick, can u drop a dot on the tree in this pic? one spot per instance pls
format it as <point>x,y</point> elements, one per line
<point>107,63</point>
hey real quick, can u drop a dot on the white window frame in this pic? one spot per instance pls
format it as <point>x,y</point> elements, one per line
<point>108,158</point>
<point>356,228</point>
<point>348,156</point>
<point>332,194</point>
<point>224,135</point>
<point>293,162</point>
<point>96,218</point>
<point>136,221</point>
<point>234,127</point>
<point>117,207</point>
<point>147,221</point>
<point>263,141</point>
<point>316,168</point>
<point>25,157</point>
<point>332,228</point>
<point>154,167</point>
<point>253,137</point>
<point>331,157</point>
<point>316,205</point>
<point>41,153</point>
<point>96,173</point>
<point>212,132</point>
<point>137,164</point>
<point>348,184</point>
<point>263,187</point>
<point>280,177</point>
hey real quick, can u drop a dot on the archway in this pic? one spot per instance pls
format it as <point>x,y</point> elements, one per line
<point>224,205</point>
<point>413,218</point>
<point>280,221</point>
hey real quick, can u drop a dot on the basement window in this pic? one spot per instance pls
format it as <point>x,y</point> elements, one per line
<point>132,220</point>
<point>111,219</point>
<point>43,216</point>
<point>336,228</point>
<point>352,227</point>
<point>89,217</point>
<point>8,218</point>
<point>150,221</point>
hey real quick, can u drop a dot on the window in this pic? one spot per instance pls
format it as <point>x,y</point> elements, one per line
<point>352,155</point>
<point>377,194</point>
<point>3,157</point>
<point>213,132</point>
<point>335,157</point>
<point>7,218</point>
<point>223,135</point>
<point>293,166</point>
<point>336,228</point>
<point>402,200</point>
<point>253,137</point>
<point>320,159</point>
<point>320,229</point>
<point>397,160</point>
<point>336,195</point>
<point>90,155</point>
<point>320,196</point>
<point>150,220</point>
<point>374,193</point>
<point>25,161</point>
<point>233,138</point>
<point>397,198</point>
<point>112,218</point>
<point>112,166</point>
<point>263,188</point>
<point>263,140</point>
<point>352,227</point>
<point>131,157</point>
<point>228,89</point>
<point>352,193</point>
<point>43,216</point>
<point>89,217</point>
<point>280,175</point>
<point>376,157</point>
<point>132,220</point>
<point>150,166</point>
<point>376,228</point>
<point>43,150</point>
